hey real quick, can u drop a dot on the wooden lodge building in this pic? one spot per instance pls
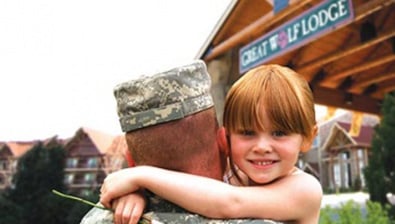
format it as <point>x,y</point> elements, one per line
<point>344,48</point>
<point>339,155</point>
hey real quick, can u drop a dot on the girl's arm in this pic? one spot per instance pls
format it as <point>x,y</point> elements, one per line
<point>290,198</point>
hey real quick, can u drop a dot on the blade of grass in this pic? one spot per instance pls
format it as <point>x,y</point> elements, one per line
<point>79,199</point>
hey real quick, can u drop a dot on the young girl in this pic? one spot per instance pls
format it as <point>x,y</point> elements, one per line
<point>268,119</point>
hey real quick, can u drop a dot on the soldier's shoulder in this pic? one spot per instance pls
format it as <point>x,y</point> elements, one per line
<point>188,218</point>
<point>98,216</point>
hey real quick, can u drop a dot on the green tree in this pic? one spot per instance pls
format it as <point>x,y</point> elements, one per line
<point>380,172</point>
<point>9,211</point>
<point>30,199</point>
<point>38,172</point>
<point>79,209</point>
<point>351,212</point>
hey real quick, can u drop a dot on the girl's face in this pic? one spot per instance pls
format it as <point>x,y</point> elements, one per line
<point>265,155</point>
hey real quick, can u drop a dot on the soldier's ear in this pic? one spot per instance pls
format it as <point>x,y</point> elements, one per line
<point>129,159</point>
<point>222,141</point>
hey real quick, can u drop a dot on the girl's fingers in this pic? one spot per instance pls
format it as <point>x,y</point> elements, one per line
<point>118,208</point>
<point>135,215</point>
<point>126,213</point>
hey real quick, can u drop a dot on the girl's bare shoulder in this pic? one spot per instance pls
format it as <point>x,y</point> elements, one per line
<point>306,181</point>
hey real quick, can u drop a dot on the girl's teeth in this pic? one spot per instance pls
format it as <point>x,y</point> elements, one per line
<point>264,163</point>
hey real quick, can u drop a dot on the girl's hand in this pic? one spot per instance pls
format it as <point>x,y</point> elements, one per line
<point>117,184</point>
<point>129,208</point>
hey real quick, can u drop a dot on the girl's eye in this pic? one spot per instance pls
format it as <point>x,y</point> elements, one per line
<point>279,133</point>
<point>247,132</point>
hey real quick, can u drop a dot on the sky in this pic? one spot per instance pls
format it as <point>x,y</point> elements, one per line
<point>60,60</point>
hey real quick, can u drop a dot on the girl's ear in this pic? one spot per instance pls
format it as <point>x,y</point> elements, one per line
<point>222,141</point>
<point>306,145</point>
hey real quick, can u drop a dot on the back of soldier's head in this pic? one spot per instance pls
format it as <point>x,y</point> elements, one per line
<point>170,120</point>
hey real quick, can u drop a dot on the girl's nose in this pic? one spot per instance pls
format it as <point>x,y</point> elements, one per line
<point>262,146</point>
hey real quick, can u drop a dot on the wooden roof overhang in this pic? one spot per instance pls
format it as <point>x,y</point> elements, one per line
<point>352,67</point>
<point>336,150</point>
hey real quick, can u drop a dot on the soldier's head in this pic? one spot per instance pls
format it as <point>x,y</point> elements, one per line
<point>170,121</point>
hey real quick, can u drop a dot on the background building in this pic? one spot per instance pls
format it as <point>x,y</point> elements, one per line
<point>90,156</point>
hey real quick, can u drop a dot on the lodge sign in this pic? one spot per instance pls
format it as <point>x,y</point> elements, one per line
<point>312,24</point>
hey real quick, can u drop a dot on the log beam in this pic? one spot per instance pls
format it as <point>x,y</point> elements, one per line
<point>319,62</point>
<point>342,99</point>
<point>359,84</point>
<point>357,68</point>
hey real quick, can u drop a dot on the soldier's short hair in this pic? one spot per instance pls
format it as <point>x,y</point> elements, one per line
<point>163,97</point>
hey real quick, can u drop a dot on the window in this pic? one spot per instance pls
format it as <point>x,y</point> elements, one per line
<point>361,165</point>
<point>86,192</point>
<point>69,178</point>
<point>92,162</point>
<point>89,177</point>
<point>72,163</point>
<point>342,170</point>
<point>3,164</point>
<point>316,142</point>
<point>346,169</point>
<point>336,174</point>
<point>2,179</point>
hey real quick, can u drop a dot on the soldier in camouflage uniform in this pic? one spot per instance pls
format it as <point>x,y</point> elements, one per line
<point>161,99</point>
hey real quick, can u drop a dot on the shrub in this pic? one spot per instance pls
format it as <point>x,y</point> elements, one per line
<point>353,213</point>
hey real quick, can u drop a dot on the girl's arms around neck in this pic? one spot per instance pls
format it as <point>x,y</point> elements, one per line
<point>295,197</point>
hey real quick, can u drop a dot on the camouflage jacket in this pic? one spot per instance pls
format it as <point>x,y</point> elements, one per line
<point>161,211</point>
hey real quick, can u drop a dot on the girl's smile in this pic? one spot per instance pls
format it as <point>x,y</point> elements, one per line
<point>263,164</point>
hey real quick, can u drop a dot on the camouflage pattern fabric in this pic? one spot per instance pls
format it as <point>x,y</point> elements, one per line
<point>163,97</point>
<point>98,216</point>
<point>187,218</point>
<point>158,204</point>
<point>161,211</point>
